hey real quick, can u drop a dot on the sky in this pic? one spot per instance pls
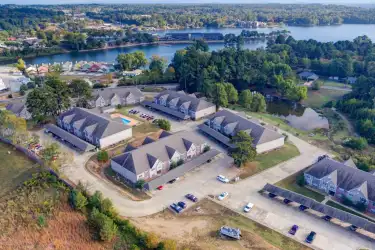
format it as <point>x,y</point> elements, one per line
<point>183,1</point>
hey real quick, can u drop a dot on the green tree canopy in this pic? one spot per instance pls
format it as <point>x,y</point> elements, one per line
<point>244,151</point>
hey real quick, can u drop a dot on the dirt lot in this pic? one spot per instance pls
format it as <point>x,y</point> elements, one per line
<point>199,229</point>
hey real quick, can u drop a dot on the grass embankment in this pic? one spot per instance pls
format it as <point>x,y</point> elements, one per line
<point>142,129</point>
<point>290,183</point>
<point>15,168</point>
<point>199,229</point>
<point>268,160</point>
<point>317,98</point>
<point>340,207</point>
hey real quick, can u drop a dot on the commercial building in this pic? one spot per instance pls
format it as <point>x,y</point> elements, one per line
<point>97,129</point>
<point>342,181</point>
<point>224,124</point>
<point>116,96</point>
<point>181,105</point>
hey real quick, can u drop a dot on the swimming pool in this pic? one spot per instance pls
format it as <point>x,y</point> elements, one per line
<point>125,121</point>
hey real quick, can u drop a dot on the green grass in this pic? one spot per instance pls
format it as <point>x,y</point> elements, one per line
<point>336,84</point>
<point>145,128</point>
<point>338,206</point>
<point>317,98</point>
<point>290,184</point>
<point>15,168</point>
<point>268,160</point>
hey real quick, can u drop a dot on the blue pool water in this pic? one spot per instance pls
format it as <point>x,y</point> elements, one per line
<point>125,121</point>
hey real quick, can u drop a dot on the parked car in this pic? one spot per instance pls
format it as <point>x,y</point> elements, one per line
<point>160,188</point>
<point>286,201</point>
<point>222,178</point>
<point>223,195</point>
<point>293,230</point>
<point>182,204</point>
<point>173,180</point>
<point>310,238</point>
<point>248,207</point>
<point>302,207</point>
<point>353,228</point>
<point>271,195</point>
<point>176,208</point>
<point>327,218</point>
<point>191,197</point>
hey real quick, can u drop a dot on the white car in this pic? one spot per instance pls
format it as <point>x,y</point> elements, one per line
<point>222,178</point>
<point>222,196</point>
<point>248,207</point>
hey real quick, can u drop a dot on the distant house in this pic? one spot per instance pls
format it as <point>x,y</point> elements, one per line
<point>85,67</point>
<point>33,42</point>
<point>94,128</point>
<point>19,109</point>
<point>342,181</point>
<point>154,158</point>
<point>94,68</point>
<point>43,69</point>
<point>116,96</point>
<point>308,76</point>
<point>351,79</point>
<point>132,73</point>
<point>31,70</point>
<point>224,124</point>
<point>181,105</point>
<point>2,85</point>
<point>67,66</point>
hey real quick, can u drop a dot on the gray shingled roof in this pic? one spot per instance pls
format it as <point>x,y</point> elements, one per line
<point>16,107</point>
<point>322,208</point>
<point>350,163</point>
<point>218,136</point>
<point>308,74</point>
<point>101,124</point>
<point>195,103</point>
<point>348,178</point>
<point>122,92</point>
<point>168,110</point>
<point>259,133</point>
<point>141,159</point>
<point>72,139</point>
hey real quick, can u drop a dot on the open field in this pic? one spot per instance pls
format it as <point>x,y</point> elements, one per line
<point>317,98</point>
<point>15,168</point>
<point>268,160</point>
<point>199,229</point>
<point>331,83</point>
<point>291,184</point>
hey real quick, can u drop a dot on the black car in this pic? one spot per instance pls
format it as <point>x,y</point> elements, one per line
<point>271,195</point>
<point>286,201</point>
<point>191,197</point>
<point>302,207</point>
<point>353,228</point>
<point>327,218</point>
<point>310,238</point>
<point>293,230</point>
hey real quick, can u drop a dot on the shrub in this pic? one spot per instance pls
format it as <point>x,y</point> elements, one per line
<point>206,149</point>
<point>103,156</point>
<point>23,89</point>
<point>300,180</point>
<point>140,184</point>
<point>42,222</point>
<point>118,106</point>
<point>180,162</point>
<point>108,229</point>
<point>77,200</point>
<point>316,85</point>
<point>152,240</point>
<point>99,86</point>
<point>356,143</point>
<point>168,245</point>
<point>163,124</point>
<point>95,200</point>
<point>329,104</point>
<point>173,165</point>
<point>30,85</point>
<point>286,137</point>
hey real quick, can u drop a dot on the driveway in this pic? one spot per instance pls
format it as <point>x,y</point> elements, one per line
<point>202,182</point>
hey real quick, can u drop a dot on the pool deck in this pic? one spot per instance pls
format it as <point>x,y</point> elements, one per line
<point>132,122</point>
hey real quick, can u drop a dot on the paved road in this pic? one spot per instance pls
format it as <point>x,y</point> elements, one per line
<point>202,182</point>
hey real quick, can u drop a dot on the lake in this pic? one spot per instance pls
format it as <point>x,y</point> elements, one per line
<point>320,33</point>
<point>297,115</point>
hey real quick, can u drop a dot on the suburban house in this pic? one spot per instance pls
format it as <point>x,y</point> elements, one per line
<point>116,96</point>
<point>225,124</point>
<point>19,109</point>
<point>351,79</point>
<point>182,105</point>
<point>132,73</point>
<point>2,85</point>
<point>94,128</point>
<point>308,76</point>
<point>67,66</point>
<point>154,158</point>
<point>342,181</point>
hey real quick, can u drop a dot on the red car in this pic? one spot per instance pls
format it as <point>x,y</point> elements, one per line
<point>160,188</point>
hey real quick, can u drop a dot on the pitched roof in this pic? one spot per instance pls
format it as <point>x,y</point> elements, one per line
<point>322,208</point>
<point>350,163</point>
<point>108,93</point>
<point>195,103</point>
<point>348,178</point>
<point>143,158</point>
<point>101,124</point>
<point>16,107</point>
<point>307,74</point>
<point>259,133</point>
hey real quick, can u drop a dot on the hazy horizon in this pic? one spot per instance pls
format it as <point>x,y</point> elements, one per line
<point>36,2</point>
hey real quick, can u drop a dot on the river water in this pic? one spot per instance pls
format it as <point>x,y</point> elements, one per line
<point>320,33</point>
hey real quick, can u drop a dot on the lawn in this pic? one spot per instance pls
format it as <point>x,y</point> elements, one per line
<point>15,168</point>
<point>317,98</point>
<point>291,184</point>
<point>268,160</point>
<point>336,84</point>
<point>338,206</point>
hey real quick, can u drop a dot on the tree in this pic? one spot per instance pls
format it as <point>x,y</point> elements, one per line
<point>232,94</point>
<point>244,151</point>
<point>81,90</point>
<point>199,45</point>
<point>356,143</point>
<point>220,96</point>
<point>316,85</point>
<point>50,152</point>
<point>152,240</point>
<point>132,61</point>
<point>158,64</point>
<point>61,92</point>
<point>164,124</point>
<point>23,89</point>
<point>20,65</point>
<point>102,156</point>
<point>108,230</point>
<point>78,200</point>
<point>41,103</point>
<point>246,99</point>
<point>258,103</point>
<point>140,184</point>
